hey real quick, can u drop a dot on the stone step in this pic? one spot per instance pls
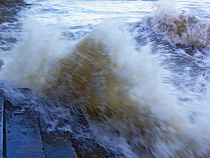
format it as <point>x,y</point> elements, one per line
<point>22,134</point>
<point>57,145</point>
<point>25,135</point>
<point>1,122</point>
<point>80,135</point>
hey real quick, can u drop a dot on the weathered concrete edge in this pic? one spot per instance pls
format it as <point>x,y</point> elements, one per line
<point>1,122</point>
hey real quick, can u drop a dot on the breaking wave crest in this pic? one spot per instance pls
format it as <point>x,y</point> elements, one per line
<point>119,89</point>
<point>180,28</point>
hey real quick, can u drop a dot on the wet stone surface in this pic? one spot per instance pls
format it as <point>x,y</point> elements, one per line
<point>21,131</point>
<point>57,144</point>
<point>1,123</point>
<point>24,132</point>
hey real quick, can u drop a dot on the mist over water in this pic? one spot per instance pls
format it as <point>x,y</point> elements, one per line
<point>141,77</point>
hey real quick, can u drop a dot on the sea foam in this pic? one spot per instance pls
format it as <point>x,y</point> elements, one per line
<point>179,27</point>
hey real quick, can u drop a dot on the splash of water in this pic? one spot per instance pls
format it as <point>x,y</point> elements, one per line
<point>178,27</point>
<point>119,89</point>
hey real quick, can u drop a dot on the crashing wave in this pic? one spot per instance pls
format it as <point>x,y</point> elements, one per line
<point>182,28</point>
<point>100,75</point>
<point>118,89</point>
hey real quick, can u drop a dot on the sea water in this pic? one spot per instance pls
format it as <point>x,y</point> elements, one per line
<point>139,70</point>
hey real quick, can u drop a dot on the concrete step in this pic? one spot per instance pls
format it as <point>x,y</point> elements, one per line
<point>57,144</point>
<point>23,137</point>
<point>23,132</point>
<point>1,122</point>
<point>80,136</point>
